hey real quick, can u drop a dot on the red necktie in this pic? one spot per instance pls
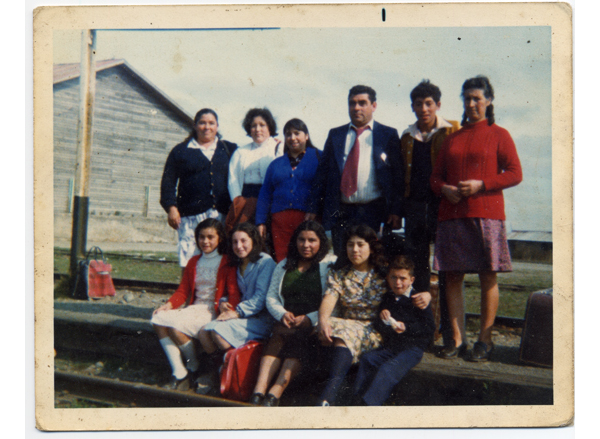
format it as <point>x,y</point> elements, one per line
<point>349,183</point>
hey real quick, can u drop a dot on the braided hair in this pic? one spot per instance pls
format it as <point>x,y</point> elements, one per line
<point>482,83</point>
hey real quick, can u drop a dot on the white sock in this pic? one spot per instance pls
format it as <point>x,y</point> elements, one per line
<point>174,357</point>
<point>189,353</point>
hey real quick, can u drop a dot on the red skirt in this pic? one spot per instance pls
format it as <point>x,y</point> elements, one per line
<point>283,225</point>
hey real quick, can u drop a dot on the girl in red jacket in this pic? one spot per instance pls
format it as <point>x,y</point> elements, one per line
<point>474,165</point>
<point>207,286</point>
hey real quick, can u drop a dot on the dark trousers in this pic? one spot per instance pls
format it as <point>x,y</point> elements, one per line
<point>381,370</point>
<point>371,214</point>
<point>420,227</point>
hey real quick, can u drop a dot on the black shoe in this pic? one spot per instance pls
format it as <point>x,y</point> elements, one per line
<point>270,401</point>
<point>480,352</point>
<point>450,350</point>
<point>207,383</point>
<point>182,385</point>
<point>256,399</point>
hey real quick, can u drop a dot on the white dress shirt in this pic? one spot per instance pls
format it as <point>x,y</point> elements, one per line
<point>367,184</point>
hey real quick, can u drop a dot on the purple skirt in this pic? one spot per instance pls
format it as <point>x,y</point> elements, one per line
<point>471,245</point>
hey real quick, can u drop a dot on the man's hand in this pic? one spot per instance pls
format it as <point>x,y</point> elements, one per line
<point>174,219</point>
<point>310,216</point>
<point>395,221</point>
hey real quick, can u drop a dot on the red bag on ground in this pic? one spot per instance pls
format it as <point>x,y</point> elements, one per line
<point>93,279</point>
<point>240,371</point>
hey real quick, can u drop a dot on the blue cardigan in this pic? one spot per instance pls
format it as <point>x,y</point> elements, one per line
<point>284,188</point>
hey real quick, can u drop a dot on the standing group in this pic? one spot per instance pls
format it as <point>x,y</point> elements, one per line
<point>225,202</point>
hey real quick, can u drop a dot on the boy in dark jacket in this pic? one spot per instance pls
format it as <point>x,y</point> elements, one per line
<point>406,331</point>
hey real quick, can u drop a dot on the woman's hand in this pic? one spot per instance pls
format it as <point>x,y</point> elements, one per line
<point>174,218</point>
<point>470,187</point>
<point>302,322</point>
<point>324,333</point>
<point>451,193</point>
<point>225,306</point>
<point>166,307</point>
<point>384,315</point>
<point>421,300</point>
<point>262,229</point>
<point>399,327</point>
<point>228,315</point>
<point>288,319</point>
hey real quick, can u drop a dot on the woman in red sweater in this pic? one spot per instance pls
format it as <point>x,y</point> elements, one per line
<point>474,165</point>
<point>209,286</point>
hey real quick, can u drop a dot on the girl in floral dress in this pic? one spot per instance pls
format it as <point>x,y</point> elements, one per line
<point>355,287</point>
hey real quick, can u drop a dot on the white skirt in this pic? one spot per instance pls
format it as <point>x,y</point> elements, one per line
<point>188,320</point>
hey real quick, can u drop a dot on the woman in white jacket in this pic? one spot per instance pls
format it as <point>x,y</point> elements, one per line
<point>293,299</point>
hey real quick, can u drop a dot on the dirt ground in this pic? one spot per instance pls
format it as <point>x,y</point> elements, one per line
<point>118,230</point>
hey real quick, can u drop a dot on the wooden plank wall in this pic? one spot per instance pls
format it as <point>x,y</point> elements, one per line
<point>133,134</point>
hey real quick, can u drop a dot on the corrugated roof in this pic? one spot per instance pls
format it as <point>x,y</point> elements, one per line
<point>65,72</point>
<point>534,236</point>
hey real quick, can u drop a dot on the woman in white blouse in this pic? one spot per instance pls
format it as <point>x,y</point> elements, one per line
<point>248,165</point>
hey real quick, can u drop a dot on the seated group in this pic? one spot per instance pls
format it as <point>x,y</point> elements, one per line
<point>356,309</point>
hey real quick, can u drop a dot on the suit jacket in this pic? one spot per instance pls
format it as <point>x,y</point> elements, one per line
<point>389,172</point>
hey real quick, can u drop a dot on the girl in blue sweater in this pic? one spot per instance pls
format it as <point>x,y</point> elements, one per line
<point>286,188</point>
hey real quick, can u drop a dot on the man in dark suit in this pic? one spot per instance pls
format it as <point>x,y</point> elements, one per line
<point>360,176</point>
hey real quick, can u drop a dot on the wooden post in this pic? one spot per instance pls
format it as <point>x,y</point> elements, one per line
<point>147,201</point>
<point>71,189</point>
<point>87,93</point>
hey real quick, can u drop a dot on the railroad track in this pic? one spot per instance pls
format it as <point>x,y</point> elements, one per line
<point>168,288</point>
<point>107,391</point>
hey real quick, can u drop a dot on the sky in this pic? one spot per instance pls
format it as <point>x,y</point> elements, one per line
<point>307,72</point>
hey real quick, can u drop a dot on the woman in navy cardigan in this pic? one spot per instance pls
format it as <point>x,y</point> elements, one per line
<point>194,181</point>
<point>286,189</point>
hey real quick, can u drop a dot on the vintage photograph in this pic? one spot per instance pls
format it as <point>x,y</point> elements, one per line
<point>345,210</point>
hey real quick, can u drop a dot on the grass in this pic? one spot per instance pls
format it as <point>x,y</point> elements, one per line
<point>512,303</point>
<point>124,267</point>
<point>80,403</point>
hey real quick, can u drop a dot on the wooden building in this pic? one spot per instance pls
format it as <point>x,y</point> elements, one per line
<point>135,126</point>
<point>531,246</point>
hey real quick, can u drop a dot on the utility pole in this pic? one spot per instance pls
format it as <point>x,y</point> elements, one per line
<point>87,94</point>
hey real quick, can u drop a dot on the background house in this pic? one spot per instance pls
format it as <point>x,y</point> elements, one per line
<point>135,126</point>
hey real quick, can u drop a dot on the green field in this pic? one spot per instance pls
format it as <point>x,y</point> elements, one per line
<point>148,267</point>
